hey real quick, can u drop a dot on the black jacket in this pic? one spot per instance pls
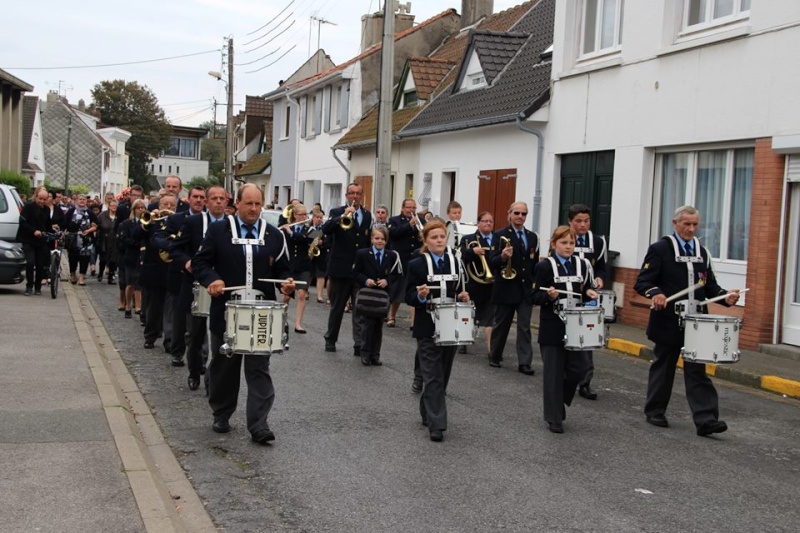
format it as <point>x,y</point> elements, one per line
<point>597,257</point>
<point>298,243</point>
<point>520,288</point>
<point>478,292</point>
<point>32,218</point>
<point>418,275</point>
<point>551,327</point>
<point>404,238</point>
<point>345,243</point>
<point>130,241</point>
<point>366,267</point>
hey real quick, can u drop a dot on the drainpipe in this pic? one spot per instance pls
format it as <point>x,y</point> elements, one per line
<point>295,182</point>
<point>537,191</point>
<point>336,157</point>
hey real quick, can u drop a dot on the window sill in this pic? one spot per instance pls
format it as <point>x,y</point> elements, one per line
<point>593,64</point>
<point>714,35</point>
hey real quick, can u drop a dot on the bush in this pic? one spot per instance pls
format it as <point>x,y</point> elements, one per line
<point>17,180</point>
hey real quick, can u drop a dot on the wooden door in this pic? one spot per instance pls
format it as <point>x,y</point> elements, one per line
<point>497,190</point>
<point>366,184</point>
<point>588,178</point>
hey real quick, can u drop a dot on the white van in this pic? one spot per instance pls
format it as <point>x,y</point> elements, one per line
<point>10,207</point>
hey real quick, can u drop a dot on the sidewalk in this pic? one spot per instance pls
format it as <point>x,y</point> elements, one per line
<point>80,449</point>
<point>780,375</point>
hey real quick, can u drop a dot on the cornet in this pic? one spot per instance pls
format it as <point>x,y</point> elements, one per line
<point>157,215</point>
<point>508,271</point>
<point>346,222</point>
<point>485,277</point>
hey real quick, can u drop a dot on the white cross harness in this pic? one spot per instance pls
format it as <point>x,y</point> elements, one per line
<point>444,278</point>
<point>249,293</point>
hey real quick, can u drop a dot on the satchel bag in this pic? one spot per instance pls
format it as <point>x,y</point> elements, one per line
<point>373,303</point>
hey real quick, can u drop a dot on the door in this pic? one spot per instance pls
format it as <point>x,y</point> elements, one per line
<point>790,333</point>
<point>497,190</point>
<point>588,179</point>
<point>366,184</point>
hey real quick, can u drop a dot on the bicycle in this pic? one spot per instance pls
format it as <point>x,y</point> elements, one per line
<point>57,238</point>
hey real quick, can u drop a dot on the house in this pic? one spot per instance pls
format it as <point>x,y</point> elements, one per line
<point>12,90</point>
<point>80,150</point>
<point>32,144</point>
<point>669,102</point>
<point>253,143</point>
<point>315,112</point>
<point>469,118</point>
<point>182,158</point>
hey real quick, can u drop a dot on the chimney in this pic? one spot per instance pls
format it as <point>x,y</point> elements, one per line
<point>52,96</point>
<point>81,105</point>
<point>474,10</point>
<point>372,27</point>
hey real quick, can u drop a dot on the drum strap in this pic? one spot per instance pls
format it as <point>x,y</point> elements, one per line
<point>579,278</point>
<point>205,223</point>
<point>691,303</point>
<point>443,279</point>
<point>249,293</point>
<point>581,250</point>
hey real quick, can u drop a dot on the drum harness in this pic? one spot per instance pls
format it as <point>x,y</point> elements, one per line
<point>248,294</point>
<point>581,250</point>
<point>688,306</point>
<point>443,279</point>
<point>578,278</point>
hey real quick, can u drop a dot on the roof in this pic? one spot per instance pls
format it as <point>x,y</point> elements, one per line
<point>289,87</point>
<point>257,164</point>
<point>365,132</point>
<point>520,77</point>
<point>428,73</point>
<point>14,82</point>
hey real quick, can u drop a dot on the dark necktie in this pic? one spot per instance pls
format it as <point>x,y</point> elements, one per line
<point>582,241</point>
<point>568,267</point>
<point>250,234</point>
<point>378,258</point>
<point>687,249</point>
<point>440,263</point>
<point>357,218</point>
<point>521,236</point>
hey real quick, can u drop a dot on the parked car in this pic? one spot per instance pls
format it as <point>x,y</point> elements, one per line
<point>12,263</point>
<point>10,207</point>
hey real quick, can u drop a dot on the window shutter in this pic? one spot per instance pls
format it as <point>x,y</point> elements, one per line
<point>344,106</point>
<point>317,114</point>
<point>793,169</point>
<point>327,107</point>
<point>303,121</point>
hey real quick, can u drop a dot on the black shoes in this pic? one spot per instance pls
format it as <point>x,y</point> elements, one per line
<point>128,313</point>
<point>462,349</point>
<point>37,292</point>
<point>300,331</point>
<point>263,436</point>
<point>660,421</point>
<point>357,351</point>
<point>177,361</point>
<point>416,385</point>
<point>330,346</point>
<point>111,280</point>
<point>375,362</point>
<point>437,435</point>
<point>167,347</point>
<point>365,360</point>
<point>712,426</point>
<point>28,291</point>
<point>555,427</point>
<point>586,392</point>
<point>149,345</point>
<point>221,425</point>
<point>194,382</point>
<point>524,369</point>
<point>494,364</point>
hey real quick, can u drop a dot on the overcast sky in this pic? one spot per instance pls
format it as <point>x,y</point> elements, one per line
<point>63,33</point>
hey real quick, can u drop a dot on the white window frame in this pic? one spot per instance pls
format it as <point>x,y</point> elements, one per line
<point>738,15</point>
<point>734,266</point>
<point>597,47</point>
<point>334,112</point>
<point>287,124</point>
<point>311,105</point>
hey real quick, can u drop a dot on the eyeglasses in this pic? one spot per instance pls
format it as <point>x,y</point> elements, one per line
<point>523,213</point>
<point>484,221</point>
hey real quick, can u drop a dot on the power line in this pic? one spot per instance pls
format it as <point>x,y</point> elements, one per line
<point>266,43</point>
<point>182,103</point>
<point>115,64</point>
<point>273,18</point>
<point>269,65</point>
<point>270,31</point>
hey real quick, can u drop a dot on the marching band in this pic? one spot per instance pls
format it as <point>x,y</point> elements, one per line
<point>457,278</point>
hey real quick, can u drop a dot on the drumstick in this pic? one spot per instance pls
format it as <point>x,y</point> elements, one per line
<point>281,281</point>
<point>236,288</point>
<point>720,297</point>
<point>687,290</point>
<point>568,293</point>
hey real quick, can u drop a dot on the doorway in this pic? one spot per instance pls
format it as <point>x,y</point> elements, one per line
<point>587,178</point>
<point>497,190</point>
<point>790,332</point>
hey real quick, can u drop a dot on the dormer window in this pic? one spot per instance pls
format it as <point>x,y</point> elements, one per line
<point>474,78</point>
<point>410,98</point>
<point>477,80</point>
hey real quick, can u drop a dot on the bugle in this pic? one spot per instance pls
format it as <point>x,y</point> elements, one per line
<point>346,222</point>
<point>156,215</point>
<point>508,271</point>
<point>485,277</point>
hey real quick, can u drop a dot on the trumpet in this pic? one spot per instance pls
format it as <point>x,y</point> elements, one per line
<point>508,271</point>
<point>156,215</point>
<point>287,212</point>
<point>346,222</point>
<point>486,277</point>
<point>418,226</point>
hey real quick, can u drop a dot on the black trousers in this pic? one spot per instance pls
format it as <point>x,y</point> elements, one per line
<point>37,265</point>
<point>77,262</point>
<point>341,290</point>
<point>503,318</point>
<point>700,391</point>
<point>435,362</point>
<point>195,358</point>
<point>589,373</point>
<point>224,376</point>
<point>153,309</point>
<point>562,370</point>
<point>111,265</point>
<point>371,337</point>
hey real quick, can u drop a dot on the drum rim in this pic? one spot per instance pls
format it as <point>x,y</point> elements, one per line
<point>711,318</point>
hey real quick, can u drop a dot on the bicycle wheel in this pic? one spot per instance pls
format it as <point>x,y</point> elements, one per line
<point>55,274</point>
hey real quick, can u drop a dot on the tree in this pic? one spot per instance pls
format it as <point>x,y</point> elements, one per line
<point>213,149</point>
<point>204,182</point>
<point>133,107</point>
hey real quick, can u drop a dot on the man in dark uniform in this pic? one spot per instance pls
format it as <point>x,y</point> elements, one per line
<point>405,238</point>
<point>474,247</point>
<point>514,295</point>
<point>153,278</point>
<point>220,262</point>
<point>666,270</point>
<point>592,248</point>
<point>181,250</point>
<point>124,208</point>
<point>344,244</point>
<point>172,185</point>
<point>33,220</point>
<point>175,275</point>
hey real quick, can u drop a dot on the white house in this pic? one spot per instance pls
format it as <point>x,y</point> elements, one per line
<point>182,158</point>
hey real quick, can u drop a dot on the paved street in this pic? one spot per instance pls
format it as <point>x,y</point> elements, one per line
<point>351,454</point>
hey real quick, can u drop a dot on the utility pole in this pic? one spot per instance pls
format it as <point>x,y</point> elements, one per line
<point>383,163</point>
<point>69,143</point>
<point>229,122</point>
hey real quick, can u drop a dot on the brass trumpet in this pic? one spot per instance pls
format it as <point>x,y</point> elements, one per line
<point>156,215</point>
<point>508,271</point>
<point>346,222</point>
<point>486,277</point>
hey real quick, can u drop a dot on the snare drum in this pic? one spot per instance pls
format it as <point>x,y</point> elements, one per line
<point>585,328</point>
<point>454,324</point>
<point>608,301</point>
<point>201,305</point>
<point>255,327</point>
<point>711,339</point>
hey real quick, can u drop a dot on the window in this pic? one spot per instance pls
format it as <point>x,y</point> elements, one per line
<point>477,80</point>
<point>719,184</point>
<point>602,26</point>
<point>410,99</point>
<point>704,13</point>
<point>181,147</point>
<point>287,120</point>
<point>311,104</point>
<point>334,114</point>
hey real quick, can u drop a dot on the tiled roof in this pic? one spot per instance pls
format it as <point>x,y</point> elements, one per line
<point>427,74</point>
<point>365,133</point>
<point>519,89</point>
<point>257,164</point>
<point>495,50</point>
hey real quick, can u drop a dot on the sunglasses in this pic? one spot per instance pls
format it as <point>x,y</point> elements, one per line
<point>518,213</point>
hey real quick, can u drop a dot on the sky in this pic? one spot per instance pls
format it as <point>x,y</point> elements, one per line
<point>271,38</point>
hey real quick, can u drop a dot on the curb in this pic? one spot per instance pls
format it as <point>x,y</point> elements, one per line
<point>773,384</point>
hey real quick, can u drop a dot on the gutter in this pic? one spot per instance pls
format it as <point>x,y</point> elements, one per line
<point>336,157</point>
<point>537,191</point>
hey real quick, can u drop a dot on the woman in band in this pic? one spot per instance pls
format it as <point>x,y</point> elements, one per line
<point>298,241</point>
<point>319,262</point>
<point>563,369</point>
<point>435,361</point>
<point>376,268</point>
<point>129,238</point>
